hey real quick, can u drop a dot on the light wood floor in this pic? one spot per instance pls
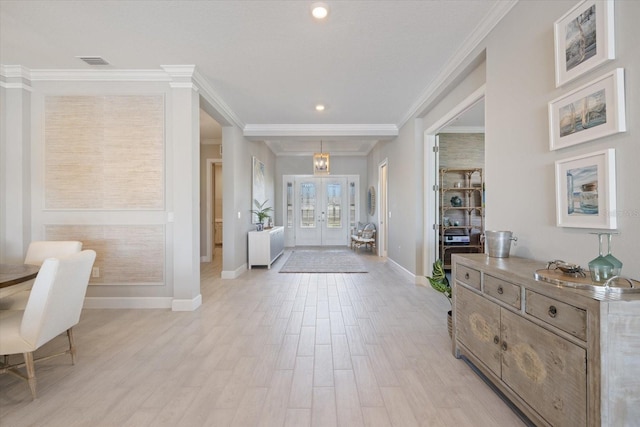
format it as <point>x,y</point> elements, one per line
<point>266,349</point>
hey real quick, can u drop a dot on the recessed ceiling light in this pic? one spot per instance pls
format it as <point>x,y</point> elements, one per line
<point>319,10</point>
<point>319,107</point>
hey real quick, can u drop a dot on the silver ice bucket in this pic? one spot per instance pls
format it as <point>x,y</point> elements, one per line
<point>498,243</point>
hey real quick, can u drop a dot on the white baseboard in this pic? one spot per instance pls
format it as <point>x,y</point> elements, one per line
<point>409,275</point>
<point>235,273</point>
<point>186,304</point>
<point>127,302</point>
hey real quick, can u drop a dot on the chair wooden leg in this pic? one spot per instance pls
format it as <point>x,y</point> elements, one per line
<point>72,347</point>
<point>31,372</point>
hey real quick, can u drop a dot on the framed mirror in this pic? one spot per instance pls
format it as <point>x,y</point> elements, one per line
<point>371,200</point>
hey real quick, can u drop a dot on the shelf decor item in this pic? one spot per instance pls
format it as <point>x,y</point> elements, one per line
<point>586,191</point>
<point>261,213</point>
<point>601,268</point>
<point>584,39</point>
<point>589,112</point>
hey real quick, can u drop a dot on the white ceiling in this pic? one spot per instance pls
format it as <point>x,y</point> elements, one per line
<point>371,63</point>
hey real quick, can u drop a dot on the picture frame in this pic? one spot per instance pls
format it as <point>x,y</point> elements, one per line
<point>586,191</point>
<point>584,38</point>
<point>258,191</point>
<point>592,111</point>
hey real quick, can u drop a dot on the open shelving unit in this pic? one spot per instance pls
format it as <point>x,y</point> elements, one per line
<point>460,227</point>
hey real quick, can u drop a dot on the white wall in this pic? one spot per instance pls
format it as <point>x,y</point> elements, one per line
<point>519,166</point>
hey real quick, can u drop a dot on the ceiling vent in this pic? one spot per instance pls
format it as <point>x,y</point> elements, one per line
<point>93,60</point>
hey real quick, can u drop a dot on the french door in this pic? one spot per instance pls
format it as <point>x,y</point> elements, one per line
<point>321,211</point>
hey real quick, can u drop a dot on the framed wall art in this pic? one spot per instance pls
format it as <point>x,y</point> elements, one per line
<point>592,111</point>
<point>584,39</point>
<point>258,184</point>
<point>586,191</point>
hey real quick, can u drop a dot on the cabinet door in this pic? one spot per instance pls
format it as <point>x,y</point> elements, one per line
<point>478,327</point>
<point>546,370</point>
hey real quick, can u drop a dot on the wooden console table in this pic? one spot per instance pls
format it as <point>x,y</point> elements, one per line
<point>564,356</point>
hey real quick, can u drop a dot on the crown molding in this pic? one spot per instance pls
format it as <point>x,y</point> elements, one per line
<point>15,77</point>
<point>488,23</point>
<point>282,130</point>
<point>15,71</point>
<point>218,104</point>
<point>177,72</point>
<point>100,75</point>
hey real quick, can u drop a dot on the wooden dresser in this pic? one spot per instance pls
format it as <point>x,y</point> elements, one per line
<point>564,356</point>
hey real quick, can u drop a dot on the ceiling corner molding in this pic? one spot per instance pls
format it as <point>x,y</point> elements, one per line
<point>15,77</point>
<point>179,72</point>
<point>488,23</point>
<point>212,97</point>
<point>15,71</point>
<point>300,130</point>
<point>218,104</point>
<point>100,75</point>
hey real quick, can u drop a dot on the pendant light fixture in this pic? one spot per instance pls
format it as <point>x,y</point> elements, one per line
<point>321,162</point>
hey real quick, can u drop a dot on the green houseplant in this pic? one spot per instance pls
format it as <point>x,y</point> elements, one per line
<point>440,283</point>
<point>261,212</point>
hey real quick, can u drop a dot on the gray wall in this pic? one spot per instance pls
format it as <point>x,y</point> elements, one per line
<point>519,166</point>
<point>237,153</point>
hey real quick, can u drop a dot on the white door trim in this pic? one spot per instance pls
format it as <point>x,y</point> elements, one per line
<point>383,207</point>
<point>209,254</point>
<point>430,180</point>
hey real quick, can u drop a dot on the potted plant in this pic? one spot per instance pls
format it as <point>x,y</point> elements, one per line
<point>440,283</point>
<point>261,212</point>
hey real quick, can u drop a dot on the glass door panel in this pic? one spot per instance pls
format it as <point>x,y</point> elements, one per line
<point>322,203</point>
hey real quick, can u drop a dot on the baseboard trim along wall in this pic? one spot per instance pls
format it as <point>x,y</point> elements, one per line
<point>128,302</point>
<point>235,273</point>
<point>186,304</point>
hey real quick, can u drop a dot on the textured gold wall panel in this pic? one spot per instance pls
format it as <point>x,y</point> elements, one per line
<point>104,152</point>
<point>124,253</point>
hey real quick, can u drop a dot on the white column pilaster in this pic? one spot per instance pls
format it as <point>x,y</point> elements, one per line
<point>184,116</point>
<point>15,163</point>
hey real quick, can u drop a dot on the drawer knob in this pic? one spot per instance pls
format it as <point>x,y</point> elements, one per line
<point>504,346</point>
<point>466,276</point>
<point>500,290</point>
<point>553,311</point>
<point>496,339</point>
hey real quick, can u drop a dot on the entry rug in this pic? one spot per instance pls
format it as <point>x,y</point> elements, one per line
<point>323,261</point>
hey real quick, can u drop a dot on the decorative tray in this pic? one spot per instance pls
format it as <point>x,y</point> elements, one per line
<point>621,285</point>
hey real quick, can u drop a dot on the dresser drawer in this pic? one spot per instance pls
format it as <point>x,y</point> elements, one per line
<point>502,290</point>
<point>563,316</point>
<point>468,276</point>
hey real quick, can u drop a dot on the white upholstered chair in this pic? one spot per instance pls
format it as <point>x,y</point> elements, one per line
<point>54,306</point>
<point>15,297</point>
<point>366,237</point>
